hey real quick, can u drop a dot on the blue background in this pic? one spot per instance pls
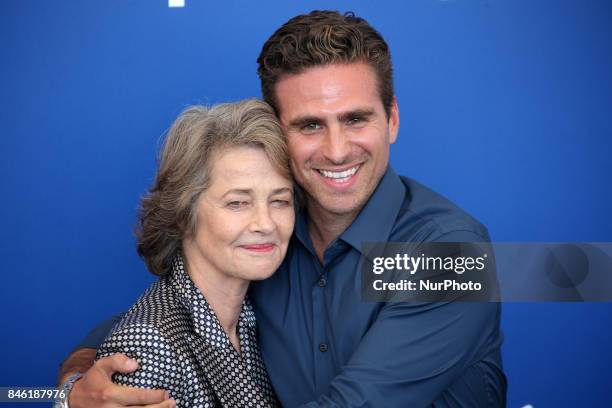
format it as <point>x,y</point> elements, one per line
<point>505,109</point>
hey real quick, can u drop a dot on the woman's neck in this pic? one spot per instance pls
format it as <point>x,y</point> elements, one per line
<point>225,294</point>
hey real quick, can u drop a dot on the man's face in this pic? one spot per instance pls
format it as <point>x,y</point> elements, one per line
<point>338,134</point>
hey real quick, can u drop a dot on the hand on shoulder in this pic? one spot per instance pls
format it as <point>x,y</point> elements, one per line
<point>95,388</point>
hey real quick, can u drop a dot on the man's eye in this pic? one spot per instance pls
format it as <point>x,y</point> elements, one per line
<point>354,121</point>
<point>311,127</point>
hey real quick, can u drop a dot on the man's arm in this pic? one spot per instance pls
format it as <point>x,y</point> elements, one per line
<point>415,351</point>
<point>79,361</point>
<point>83,356</point>
<point>96,389</point>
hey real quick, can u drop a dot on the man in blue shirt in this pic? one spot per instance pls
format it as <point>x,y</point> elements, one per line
<point>329,78</point>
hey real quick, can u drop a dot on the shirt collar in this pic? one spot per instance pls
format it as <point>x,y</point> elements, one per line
<point>375,220</point>
<point>301,230</point>
<point>205,322</point>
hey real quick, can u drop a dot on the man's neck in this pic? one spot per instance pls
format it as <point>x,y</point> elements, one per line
<point>324,227</point>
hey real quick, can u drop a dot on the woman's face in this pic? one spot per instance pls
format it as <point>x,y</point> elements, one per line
<point>244,219</point>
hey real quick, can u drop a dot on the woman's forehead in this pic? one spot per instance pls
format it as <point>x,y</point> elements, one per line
<point>246,168</point>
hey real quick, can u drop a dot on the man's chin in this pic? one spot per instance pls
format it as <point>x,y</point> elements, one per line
<point>343,207</point>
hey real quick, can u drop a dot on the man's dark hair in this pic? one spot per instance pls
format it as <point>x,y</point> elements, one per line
<point>322,38</point>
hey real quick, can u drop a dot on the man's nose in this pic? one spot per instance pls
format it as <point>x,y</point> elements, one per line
<point>336,145</point>
<point>262,221</point>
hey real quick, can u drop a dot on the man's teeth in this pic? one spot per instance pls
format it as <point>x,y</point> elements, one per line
<point>339,175</point>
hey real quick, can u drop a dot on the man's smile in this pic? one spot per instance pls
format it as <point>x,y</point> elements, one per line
<point>340,179</point>
<point>339,176</point>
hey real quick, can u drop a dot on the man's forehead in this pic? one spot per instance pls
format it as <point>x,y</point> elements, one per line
<point>328,90</point>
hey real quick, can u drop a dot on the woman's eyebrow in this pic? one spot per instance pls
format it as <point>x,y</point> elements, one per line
<point>250,191</point>
<point>243,191</point>
<point>282,190</point>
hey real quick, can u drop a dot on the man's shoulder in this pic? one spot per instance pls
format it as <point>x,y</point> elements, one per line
<point>426,215</point>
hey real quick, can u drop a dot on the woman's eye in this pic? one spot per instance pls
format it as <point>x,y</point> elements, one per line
<point>236,205</point>
<point>281,203</point>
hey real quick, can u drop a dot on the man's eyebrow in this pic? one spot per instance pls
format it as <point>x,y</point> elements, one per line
<point>356,113</point>
<point>302,121</point>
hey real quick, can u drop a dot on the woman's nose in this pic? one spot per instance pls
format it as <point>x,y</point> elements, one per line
<point>262,222</point>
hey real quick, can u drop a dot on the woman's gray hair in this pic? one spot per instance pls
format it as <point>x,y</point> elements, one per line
<point>168,213</point>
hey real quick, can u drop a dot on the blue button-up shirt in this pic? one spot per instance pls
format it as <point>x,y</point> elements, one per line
<point>325,347</point>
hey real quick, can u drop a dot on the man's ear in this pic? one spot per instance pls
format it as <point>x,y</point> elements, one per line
<point>394,121</point>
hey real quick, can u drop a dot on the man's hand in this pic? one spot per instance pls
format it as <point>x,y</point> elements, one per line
<point>96,389</point>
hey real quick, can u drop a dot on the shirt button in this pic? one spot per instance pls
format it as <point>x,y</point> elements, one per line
<point>322,347</point>
<point>322,282</point>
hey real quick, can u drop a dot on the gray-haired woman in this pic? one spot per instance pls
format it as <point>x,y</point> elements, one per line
<point>219,215</point>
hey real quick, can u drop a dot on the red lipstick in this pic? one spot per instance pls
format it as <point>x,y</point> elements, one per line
<point>259,247</point>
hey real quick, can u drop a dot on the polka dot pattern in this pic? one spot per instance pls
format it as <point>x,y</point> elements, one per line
<point>181,347</point>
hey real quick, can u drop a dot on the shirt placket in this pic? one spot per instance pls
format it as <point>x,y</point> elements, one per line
<point>323,347</point>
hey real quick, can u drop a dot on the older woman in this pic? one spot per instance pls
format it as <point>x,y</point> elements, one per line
<point>219,215</point>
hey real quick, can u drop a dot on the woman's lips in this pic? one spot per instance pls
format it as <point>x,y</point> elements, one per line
<point>259,247</point>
